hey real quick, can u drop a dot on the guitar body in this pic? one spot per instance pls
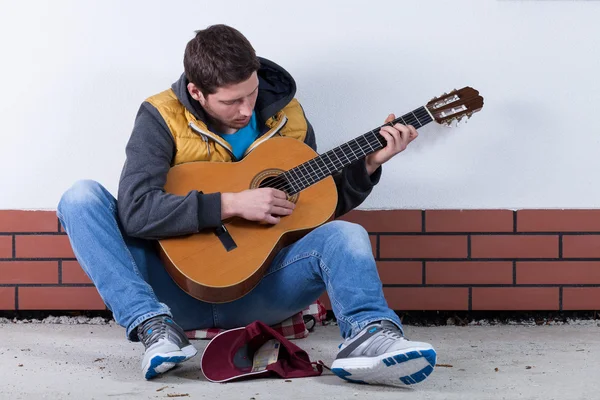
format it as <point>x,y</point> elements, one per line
<point>200,263</point>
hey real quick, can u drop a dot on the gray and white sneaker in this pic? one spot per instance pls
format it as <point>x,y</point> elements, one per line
<point>166,345</point>
<point>380,354</point>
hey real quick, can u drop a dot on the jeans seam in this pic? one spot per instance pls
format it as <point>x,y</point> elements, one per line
<point>215,315</point>
<point>135,269</point>
<point>326,270</point>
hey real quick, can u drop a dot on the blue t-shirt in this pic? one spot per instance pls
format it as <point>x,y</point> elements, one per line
<point>243,138</point>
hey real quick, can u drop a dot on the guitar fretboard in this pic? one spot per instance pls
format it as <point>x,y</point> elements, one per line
<point>334,160</point>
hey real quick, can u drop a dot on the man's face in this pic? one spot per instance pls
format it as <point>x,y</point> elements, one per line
<point>230,106</point>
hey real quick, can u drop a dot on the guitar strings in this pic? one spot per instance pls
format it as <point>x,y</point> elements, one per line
<point>303,180</point>
<point>296,178</point>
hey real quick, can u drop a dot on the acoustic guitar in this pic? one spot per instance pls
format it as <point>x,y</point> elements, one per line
<point>224,264</point>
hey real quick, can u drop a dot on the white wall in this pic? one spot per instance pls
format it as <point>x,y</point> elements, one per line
<point>73,74</point>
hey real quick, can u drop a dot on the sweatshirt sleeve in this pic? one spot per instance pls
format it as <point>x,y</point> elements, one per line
<point>354,184</point>
<point>144,208</point>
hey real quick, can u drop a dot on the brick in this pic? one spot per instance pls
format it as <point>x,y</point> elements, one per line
<point>417,246</point>
<point>423,298</point>
<point>469,221</point>
<point>420,298</point>
<point>72,273</point>
<point>558,272</point>
<point>581,298</point>
<point>511,298</point>
<point>5,246</point>
<point>386,220</point>
<point>514,246</point>
<point>60,298</point>
<point>469,272</point>
<point>581,246</point>
<point>558,221</point>
<point>7,298</point>
<point>27,272</point>
<point>400,272</point>
<point>28,221</point>
<point>44,246</point>
<point>373,239</point>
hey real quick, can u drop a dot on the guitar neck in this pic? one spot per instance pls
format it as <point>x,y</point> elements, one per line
<point>326,164</point>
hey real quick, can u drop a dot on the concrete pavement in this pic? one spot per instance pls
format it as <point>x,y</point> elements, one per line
<point>61,361</point>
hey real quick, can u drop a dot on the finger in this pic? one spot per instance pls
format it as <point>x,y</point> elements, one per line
<point>402,128</point>
<point>387,136</point>
<point>278,193</point>
<point>397,137</point>
<point>413,133</point>
<point>391,130</point>
<point>405,134</point>
<point>283,204</point>
<point>280,211</point>
<point>271,219</point>
<point>390,118</point>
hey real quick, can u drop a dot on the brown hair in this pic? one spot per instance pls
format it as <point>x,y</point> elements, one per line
<point>219,56</point>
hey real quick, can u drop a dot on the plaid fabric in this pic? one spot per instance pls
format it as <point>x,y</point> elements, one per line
<point>295,327</point>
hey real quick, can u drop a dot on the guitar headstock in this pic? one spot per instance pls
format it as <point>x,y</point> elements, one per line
<point>455,106</point>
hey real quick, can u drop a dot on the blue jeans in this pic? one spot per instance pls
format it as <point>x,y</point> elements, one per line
<point>135,286</point>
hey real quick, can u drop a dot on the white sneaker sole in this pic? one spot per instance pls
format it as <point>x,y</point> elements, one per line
<point>399,368</point>
<point>162,362</point>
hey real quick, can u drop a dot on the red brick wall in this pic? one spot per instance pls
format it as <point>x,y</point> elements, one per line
<point>38,270</point>
<point>428,260</point>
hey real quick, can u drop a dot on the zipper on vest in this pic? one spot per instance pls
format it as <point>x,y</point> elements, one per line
<point>205,136</point>
<point>267,136</point>
<point>206,141</point>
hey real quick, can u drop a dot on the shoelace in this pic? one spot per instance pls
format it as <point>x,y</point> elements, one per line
<point>388,337</point>
<point>154,330</point>
<point>392,331</point>
<point>392,334</point>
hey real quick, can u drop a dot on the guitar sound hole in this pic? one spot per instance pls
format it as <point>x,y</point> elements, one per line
<point>276,180</point>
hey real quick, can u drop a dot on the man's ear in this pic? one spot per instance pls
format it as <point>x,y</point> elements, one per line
<point>196,93</point>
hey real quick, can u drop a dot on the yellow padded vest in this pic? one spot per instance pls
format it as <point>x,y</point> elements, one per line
<point>194,142</point>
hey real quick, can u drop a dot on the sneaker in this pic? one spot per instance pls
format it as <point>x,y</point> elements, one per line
<point>380,354</point>
<point>166,345</point>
